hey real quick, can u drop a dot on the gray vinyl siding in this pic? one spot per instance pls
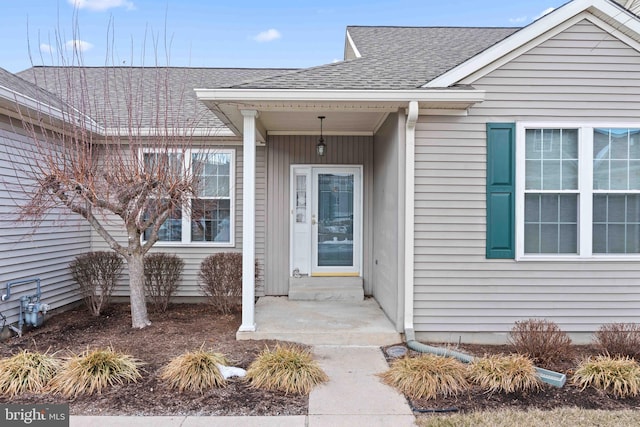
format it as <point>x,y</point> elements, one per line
<point>193,255</point>
<point>579,75</point>
<point>33,252</point>
<point>387,200</point>
<point>284,151</point>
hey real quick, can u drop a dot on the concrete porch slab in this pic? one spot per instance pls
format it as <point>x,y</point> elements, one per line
<point>361,323</point>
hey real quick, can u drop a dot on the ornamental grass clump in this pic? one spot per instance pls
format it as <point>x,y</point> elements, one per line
<point>93,370</point>
<point>514,373</point>
<point>195,371</point>
<point>290,369</point>
<point>27,372</point>
<point>427,376</point>
<point>619,376</point>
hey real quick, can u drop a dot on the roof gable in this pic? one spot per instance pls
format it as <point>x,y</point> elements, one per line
<point>607,14</point>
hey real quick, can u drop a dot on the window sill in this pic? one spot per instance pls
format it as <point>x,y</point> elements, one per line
<point>193,245</point>
<point>575,258</point>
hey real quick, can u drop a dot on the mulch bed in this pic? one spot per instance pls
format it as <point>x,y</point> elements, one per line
<point>191,326</point>
<point>476,399</point>
<point>183,328</point>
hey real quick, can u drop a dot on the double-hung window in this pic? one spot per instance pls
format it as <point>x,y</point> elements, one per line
<point>578,191</point>
<point>206,219</point>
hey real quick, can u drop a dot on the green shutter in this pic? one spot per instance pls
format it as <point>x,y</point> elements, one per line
<point>501,190</point>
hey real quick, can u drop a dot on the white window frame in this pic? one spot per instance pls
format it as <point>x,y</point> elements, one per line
<point>585,191</point>
<point>186,210</point>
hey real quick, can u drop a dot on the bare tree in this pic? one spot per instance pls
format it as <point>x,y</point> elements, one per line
<point>118,153</point>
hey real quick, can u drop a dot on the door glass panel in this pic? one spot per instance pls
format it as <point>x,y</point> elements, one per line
<point>335,219</point>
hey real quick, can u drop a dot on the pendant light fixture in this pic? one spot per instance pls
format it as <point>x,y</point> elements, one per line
<point>321,147</point>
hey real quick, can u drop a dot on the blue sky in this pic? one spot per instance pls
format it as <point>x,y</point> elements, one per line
<point>216,33</point>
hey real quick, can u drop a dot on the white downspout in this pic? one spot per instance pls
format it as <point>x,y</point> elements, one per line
<point>249,221</point>
<point>409,201</point>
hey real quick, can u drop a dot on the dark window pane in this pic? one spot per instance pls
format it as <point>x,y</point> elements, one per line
<point>170,230</point>
<point>549,209</point>
<point>531,238</point>
<point>211,221</point>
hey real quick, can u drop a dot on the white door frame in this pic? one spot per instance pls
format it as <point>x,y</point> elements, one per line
<point>303,246</point>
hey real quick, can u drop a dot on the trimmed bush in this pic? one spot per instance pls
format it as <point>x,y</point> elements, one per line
<point>27,372</point>
<point>162,275</point>
<point>541,340</point>
<point>619,339</point>
<point>220,279</point>
<point>289,369</point>
<point>195,371</point>
<point>93,370</point>
<point>514,373</point>
<point>619,376</point>
<point>427,376</point>
<point>97,274</point>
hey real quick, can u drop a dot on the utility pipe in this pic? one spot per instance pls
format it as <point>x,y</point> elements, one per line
<point>6,296</point>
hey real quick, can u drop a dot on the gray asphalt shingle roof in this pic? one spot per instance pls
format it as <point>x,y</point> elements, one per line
<point>112,96</point>
<point>392,58</point>
<point>28,89</point>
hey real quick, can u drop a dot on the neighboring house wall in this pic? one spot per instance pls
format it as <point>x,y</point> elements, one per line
<point>387,200</point>
<point>579,75</point>
<point>284,151</point>
<point>27,252</point>
<point>194,255</point>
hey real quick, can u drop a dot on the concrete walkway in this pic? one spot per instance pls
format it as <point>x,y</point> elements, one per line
<point>354,396</point>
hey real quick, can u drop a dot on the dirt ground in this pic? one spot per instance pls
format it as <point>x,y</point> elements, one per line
<point>184,327</point>
<point>190,326</point>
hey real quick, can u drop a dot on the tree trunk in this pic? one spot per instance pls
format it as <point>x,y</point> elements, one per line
<point>139,317</point>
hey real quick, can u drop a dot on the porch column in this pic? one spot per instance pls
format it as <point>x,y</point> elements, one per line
<point>249,221</point>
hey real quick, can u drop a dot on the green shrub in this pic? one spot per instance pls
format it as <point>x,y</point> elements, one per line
<point>427,376</point>
<point>619,376</point>
<point>97,274</point>
<point>542,340</point>
<point>289,369</point>
<point>619,339</point>
<point>508,374</point>
<point>162,274</point>
<point>94,370</point>
<point>195,371</point>
<point>220,279</point>
<point>27,372</point>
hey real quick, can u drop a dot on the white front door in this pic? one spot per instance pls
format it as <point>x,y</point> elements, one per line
<point>326,224</point>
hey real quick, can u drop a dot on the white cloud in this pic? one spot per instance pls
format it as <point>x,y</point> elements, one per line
<point>545,12</point>
<point>518,20</point>
<point>79,45</point>
<point>267,36</point>
<point>100,5</point>
<point>46,48</point>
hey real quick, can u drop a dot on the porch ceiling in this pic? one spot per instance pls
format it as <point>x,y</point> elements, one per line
<point>302,118</point>
<point>284,112</point>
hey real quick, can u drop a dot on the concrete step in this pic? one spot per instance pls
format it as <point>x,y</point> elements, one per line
<point>326,289</point>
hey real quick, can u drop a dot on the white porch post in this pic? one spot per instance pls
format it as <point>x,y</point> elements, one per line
<point>249,222</point>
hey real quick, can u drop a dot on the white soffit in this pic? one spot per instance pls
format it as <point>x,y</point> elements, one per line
<point>620,21</point>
